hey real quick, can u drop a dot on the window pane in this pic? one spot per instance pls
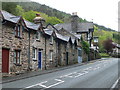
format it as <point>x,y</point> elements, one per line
<point>51,53</point>
<point>14,60</point>
<point>51,39</point>
<point>37,35</point>
<point>79,52</point>
<point>34,53</point>
<point>19,31</point>
<point>15,30</point>
<point>18,61</point>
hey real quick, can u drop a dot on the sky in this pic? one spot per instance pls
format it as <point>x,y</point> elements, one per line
<point>102,12</point>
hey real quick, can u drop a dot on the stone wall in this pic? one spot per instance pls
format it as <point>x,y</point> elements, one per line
<point>51,47</point>
<point>13,43</point>
<point>58,48</point>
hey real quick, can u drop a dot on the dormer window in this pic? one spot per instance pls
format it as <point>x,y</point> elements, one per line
<point>51,40</point>
<point>17,31</point>
<point>37,35</point>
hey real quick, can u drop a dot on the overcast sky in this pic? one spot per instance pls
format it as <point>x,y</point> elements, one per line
<point>102,12</point>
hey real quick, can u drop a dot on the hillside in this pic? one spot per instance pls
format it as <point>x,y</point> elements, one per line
<point>51,12</point>
<point>65,17</point>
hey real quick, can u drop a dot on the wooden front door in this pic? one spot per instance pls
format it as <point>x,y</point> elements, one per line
<point>5,61</point>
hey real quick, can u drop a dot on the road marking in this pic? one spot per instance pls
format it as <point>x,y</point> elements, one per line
<point>115,84</point>
<point>80,74</point>
<point>67,75</point>
<point>60,81</point>
<point>89,68</point>
<point>70,75</point>
<point>36,84</point>
<point>44,86</point>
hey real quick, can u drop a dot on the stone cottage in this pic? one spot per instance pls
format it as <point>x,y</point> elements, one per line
<point>73,46</point>
<point>32,46</point>
<point>14,43</point>
<point>78,29</point>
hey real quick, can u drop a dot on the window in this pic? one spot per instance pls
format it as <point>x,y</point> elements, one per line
<point>17,57</point>
<point>51,53</point>
<point>73,47</point>
<point>51,40</point>
<point>37,35</point>
<point>34,53</point>
<point>17,31</point>
<point>79,53</point>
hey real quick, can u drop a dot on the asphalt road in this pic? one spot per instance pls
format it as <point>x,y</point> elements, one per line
<point>99,74</point>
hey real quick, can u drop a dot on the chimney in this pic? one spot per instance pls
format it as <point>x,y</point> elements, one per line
<point>38,19</point>
<point>74,22</point>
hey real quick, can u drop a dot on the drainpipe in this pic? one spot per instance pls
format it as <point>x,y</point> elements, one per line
<point>45,54</point>
<point>56,54</point>
<point>29,51</point>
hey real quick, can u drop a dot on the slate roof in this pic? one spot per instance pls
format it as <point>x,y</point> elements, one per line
<point>64,38</point>
<point>73,41</point>
<point>48,31</point>
<point>78,36</point>
<point>9,17</point>
<point>32,25</point>
<point>15,19</point>
<point>117,45</point>
<point>82,27</point>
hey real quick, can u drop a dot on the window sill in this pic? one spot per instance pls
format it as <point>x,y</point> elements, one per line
<point>17,64</point>
<point>18,37</point>
<point>51,43</point>
<point>34,60</point>
<point>51,60</point>
<point>37,40</point>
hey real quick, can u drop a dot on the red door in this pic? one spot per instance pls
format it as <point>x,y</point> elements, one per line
<point>5,60</point>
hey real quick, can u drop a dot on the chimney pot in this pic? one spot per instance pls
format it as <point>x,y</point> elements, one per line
<point>74,13</point>
<point>38,19</point>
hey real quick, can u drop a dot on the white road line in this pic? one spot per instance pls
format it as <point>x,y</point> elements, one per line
<point>80,74</point>
<point>36,84</point>
<point>67,75</point>
<point>89,68</point>
<point>60,81</point>
<point>115,84</point>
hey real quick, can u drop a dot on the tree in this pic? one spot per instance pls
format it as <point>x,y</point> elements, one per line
<point>30,15</point>
<point>108,45</point>
<point>54,20</point>
<point>19,10</point>
<point>9,7</point>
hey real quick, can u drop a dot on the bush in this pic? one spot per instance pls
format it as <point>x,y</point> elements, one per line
<point>85,47</point>
<point>104,55</point>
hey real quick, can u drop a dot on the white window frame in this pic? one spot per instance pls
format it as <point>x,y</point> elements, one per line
<point>17,31</point>
<point>51,55</point>
<point>34,53</point>
<point>17,55</point>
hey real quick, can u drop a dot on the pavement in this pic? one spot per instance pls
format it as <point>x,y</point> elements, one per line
<point>39,72</point>
<point>98,74</point>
